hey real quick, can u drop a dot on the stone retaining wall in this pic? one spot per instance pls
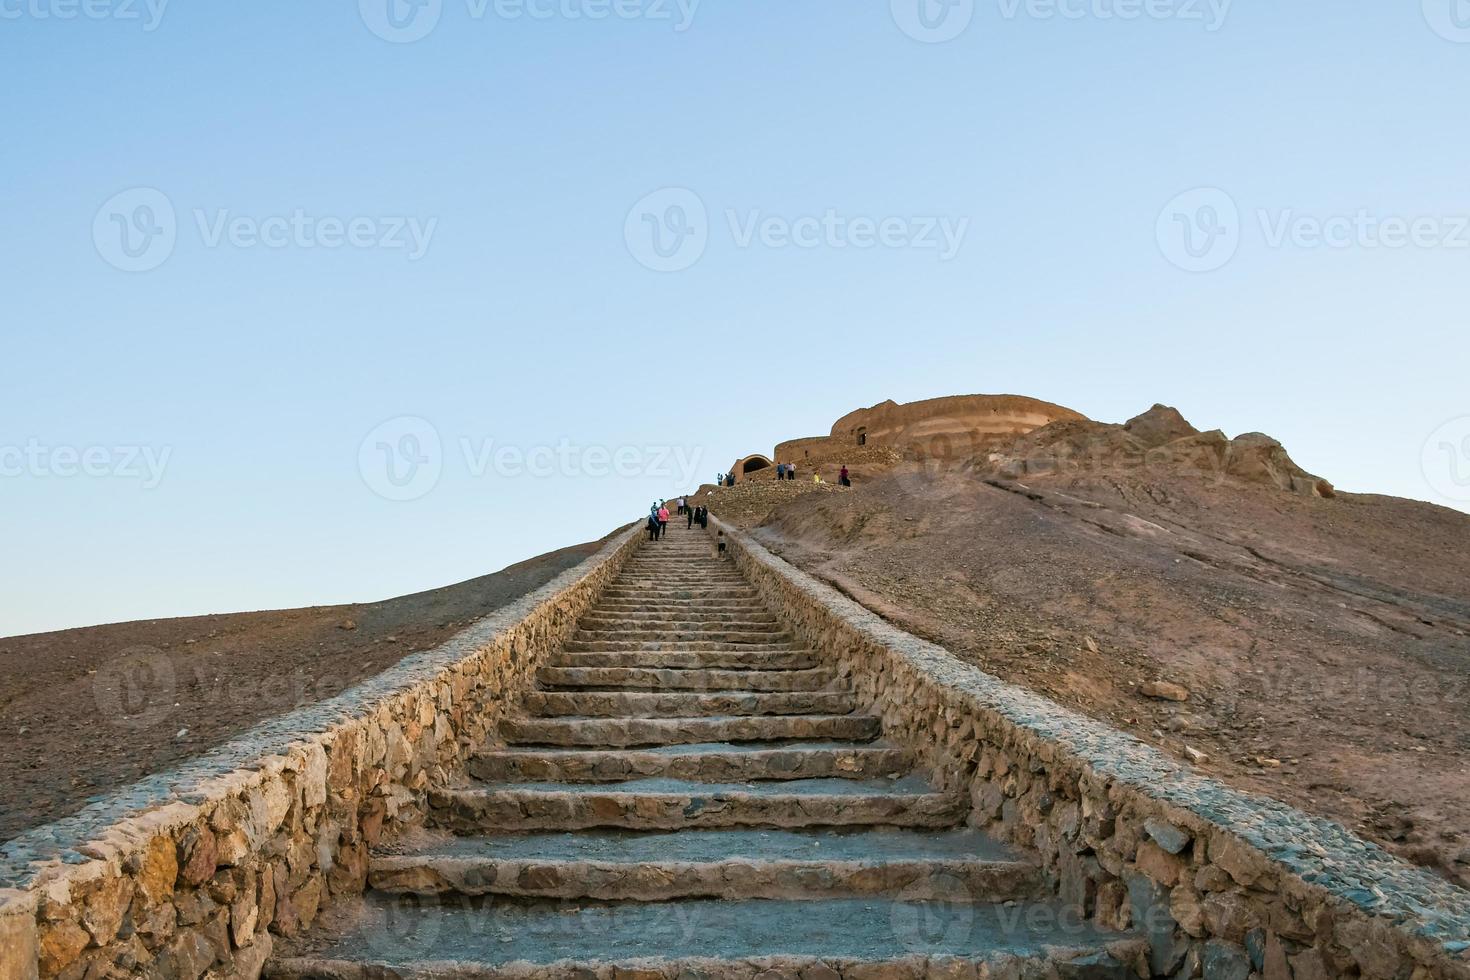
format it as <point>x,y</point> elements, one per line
<point>1224,884</point>
<point>193,871</point>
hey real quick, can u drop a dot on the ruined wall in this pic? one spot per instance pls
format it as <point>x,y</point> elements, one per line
<point>195,870</point>
<point>814,447</point>
<point>955,427</point>
<point>753,466</point>
<point>1224,884</point>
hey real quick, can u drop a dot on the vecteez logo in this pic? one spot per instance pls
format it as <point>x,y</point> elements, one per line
<point>1450,19</point>
<point>668,230</point>
<point>136,230</point>
<point>149,13</point>
<point>933,21</point>
<point>402,459</point>
<point>1199,230</point>
<point>401,21</point>
<point>1445,460</point>
<point>406,21</point>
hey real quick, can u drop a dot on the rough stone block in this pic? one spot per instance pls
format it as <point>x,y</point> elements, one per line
<point>1166,835</point>
<point>1225,961</point>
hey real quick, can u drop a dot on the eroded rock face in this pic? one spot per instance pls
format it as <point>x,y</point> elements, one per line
<point>1158,426</point>
<point>1159,438</point>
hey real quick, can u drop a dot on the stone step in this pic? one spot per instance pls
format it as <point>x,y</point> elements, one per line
<point>667,578</point>
<point>687,597</point>
<point>665,573</point>
<point>663,585</point>
<point>685,704</point>
<point>653,575</point>
<point>690,623</point>
<point>677,613</point>
<point>633,732</point>
<point>677,619</point>
<point>693,646</point>
<point>717,634</point>
<point>691,555</point>
<point>610,865</point>
<point>710,762</point>
<point>676,804</point>
<point>640,592</point>
<point>383,936</point>
<point>660,571</point>
<point>687,573</point>
<point>689,659</point>
<point>673,592</point>
<point>698,565</point>
<point>671,555</point>
<point>654,679</point>
<point>680,607</point>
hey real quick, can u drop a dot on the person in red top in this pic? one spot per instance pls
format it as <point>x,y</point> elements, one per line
<point>842,476</point>
<point>663,520</point>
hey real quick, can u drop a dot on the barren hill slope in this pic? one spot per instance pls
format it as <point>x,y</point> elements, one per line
<point>87,711</point>
<point>1323,638</point>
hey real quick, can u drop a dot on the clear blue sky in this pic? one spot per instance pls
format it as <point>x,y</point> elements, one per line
<point>526,313</point>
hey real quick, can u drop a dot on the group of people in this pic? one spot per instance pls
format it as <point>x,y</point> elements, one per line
<point>787,471</point>
<point>658,516</point>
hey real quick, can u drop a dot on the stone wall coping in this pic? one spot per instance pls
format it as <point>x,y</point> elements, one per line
<point>1320,853</point>
<point>91,843</point>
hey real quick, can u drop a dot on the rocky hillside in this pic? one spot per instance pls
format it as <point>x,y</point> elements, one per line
<point>1203,593</point>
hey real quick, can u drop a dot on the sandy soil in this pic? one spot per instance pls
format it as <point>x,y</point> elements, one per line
<point>1323,642</point>
<point>85,711</point>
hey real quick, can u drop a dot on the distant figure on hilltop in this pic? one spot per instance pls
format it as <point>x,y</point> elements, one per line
<point>780,471</point>
<point>842,477</point>
<point>791,471</point>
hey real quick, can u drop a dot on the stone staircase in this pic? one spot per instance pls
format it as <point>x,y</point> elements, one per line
<point>692,793</point>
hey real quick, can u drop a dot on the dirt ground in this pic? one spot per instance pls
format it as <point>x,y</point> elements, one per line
<point>86,711</point>
<point>1324,643</point>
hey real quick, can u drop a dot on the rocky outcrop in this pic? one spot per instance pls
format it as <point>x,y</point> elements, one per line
<point>1160,438</point>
